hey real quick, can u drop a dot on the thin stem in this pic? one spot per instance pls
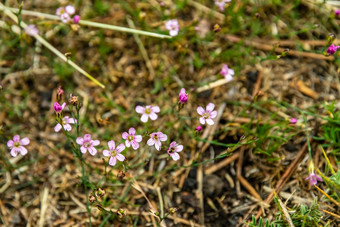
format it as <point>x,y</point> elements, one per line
<point>93,24</point>
<point>40,39</point>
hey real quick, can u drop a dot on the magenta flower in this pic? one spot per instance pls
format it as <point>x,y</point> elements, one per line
<point>132,139</point>
<point>227,73</point>
<point>58,108</point>
<point>114,152</point>
<point>173,150</point>
<point>17,145</point>
<point>172,26</point>
<point>198,128</point>
<point>66,121</point>
<point>313,178</point>
<point>31,30</point>
<point>293,120</point>
<point>87,144</point>
<point>148,111</point>
<point>76,19</point>
<point>208,114</point>
<point>332,49</point>
<point>221,3</point>
<point>156,138</point>
<point>337,12</point>
<point>183,97</point>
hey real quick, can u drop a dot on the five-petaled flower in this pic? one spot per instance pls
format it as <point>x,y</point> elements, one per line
<point>227,73</point>
<point>114,152</point>
<point>332,49</point>
<point>58,108</point>
<point>87,144</point>
<point>313,178</point>
<point>208,114</point>
<point>156,138</point>
<point>221,3</point>
<point>172,26</point>
<point>17,145</point>
<point>173,150</point>
<point>132,139</point>
<point>31,30</point>
<point>65,122</point>
<point>183,97</point>
<point>148,111</point>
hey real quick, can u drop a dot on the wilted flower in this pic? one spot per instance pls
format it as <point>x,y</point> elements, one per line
<point>148,111</point>
<point>174,148</point>
<point>59,108</point>
<point>87,144</point>
<point>92,198</point>
<point>183,97</point>
<point>156,138</point>
<point>31,30</point>
<point>114,152</point>
<point>313,178</point>
<point>132,139</point>
<point>208,114</point>
<point>227,73</point>
<point>221,3</point>
<point>172,26</point>
<point>66,121</point>
<point>17,145</point>
<point>73,100</point>
<point>332,49</point>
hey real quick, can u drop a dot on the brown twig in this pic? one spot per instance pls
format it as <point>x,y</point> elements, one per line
<point>285,176</point>
<point>330,213</point>
<point>325,194</point>
<point>267,47</point>
<point>250,188</point>
<point>221,164</point>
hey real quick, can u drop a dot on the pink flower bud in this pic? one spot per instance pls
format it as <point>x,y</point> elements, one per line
<point>199,128</point>
<point>58,108</point>
<point>293,121</point>
<point>183,97</point>
<point>76,19</point>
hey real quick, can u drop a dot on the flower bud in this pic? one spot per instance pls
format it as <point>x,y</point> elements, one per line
<point>60,93</point>
<point>172,210</point>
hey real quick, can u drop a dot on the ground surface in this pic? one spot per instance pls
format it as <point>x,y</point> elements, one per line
<point>252,130</point>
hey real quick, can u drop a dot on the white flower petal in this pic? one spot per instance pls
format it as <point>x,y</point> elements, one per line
<point>125,135</point>
<point>213,114</point>
<point>25,141</point>
<point>155,109</point>
<point>132,131</point>
<point>175,156</point>
<point>14,152</point>
<point>151,142</point>
<point>138,138</point>
<point>120,148</point>
<point>80,140</point>
<point>10,143</point>
<point>83,149</point>
<point>92,151</point>
<point>153,116</point>
<point>57,127</point>
<point>144,118</point>
<point>95,142</point>
<point>106,153</point>
<point>210,121</point>
<point>120,157</point>
<point>22,150</point>
<point>210,107</point>
<point>200,110</point>
<point>202,120</point>
<point>112,161</point>
<point>111,145</point>
<point>140,109</point>
<point>179,148</point>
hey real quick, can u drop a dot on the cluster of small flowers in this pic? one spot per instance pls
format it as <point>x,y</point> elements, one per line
<point>172,26</point>
<point>65,14</point>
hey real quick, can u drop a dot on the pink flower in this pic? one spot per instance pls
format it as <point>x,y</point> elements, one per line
<point>227,73</point>
<point>313,178</point>
<point>87,144</point>
<point>332,49</point>
<point>114,152</point>
<point>198,128</point>
<point>172,26</point>
<point>208,114</point>
<point>17,145</point>
<point>58,108</point>
<point>70,10</point>
<point>337,12</point>
<point>65,13</point>
<point>156,138</point>
<point>221,3</point>
<point>293,120</point>
<point>148,111</point>
<point>173,150</point>
<point>31,30</point>
<point>132,139</point>
<point>66,123</point>
<point>183,97</point>
<point>76,19</point>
